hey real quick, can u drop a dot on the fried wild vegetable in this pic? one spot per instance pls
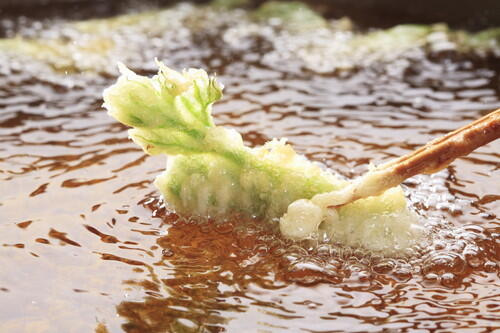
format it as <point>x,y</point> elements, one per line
<point>210,172</point>
<point>229,4</point>
<point>295,31</point>
<point>294,15</point>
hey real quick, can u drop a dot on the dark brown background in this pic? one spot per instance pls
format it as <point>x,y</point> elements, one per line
<point>467,14</point>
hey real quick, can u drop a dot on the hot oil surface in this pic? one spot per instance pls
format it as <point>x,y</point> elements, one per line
<point>85,236</point>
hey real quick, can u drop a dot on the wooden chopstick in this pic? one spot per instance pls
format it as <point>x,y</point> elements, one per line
<point>430,158</point>
<point>439,153</point>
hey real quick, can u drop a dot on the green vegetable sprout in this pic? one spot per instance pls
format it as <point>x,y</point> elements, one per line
<point>210,172</point>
